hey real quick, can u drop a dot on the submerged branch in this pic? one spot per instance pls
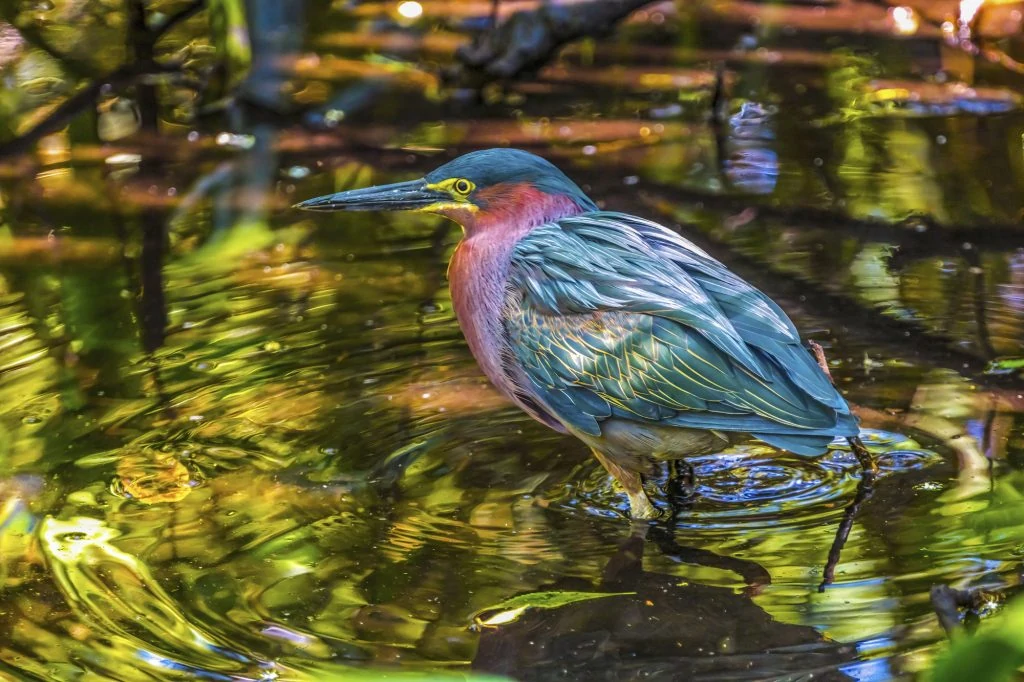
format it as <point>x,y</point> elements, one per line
<point>74,105</point>
<point>528,40</point>
<point>865,489</point>
<point>141,42</point>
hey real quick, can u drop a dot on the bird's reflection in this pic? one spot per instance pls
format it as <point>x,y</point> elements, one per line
<point>654,624</point>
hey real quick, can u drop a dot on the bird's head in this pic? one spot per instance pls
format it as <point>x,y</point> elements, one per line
<point>480,190</point>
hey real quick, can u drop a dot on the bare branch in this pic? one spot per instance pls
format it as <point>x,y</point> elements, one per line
<point>117,79</point>
<point>530,39</point>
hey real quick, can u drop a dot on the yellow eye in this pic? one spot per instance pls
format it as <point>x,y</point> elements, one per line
<point>462,186</point>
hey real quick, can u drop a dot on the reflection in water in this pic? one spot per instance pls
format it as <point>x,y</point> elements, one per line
<point>117,597</point>
<point>752,165</point>
<point>262,449</point>
<point>645,623</point>
<point>754,486</point>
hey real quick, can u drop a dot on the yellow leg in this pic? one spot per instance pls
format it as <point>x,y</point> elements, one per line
<point>639,506</point>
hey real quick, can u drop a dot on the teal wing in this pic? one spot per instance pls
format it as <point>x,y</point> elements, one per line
<point>613,316</point>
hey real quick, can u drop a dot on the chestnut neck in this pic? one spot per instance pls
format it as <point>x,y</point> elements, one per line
<point>478,274</point>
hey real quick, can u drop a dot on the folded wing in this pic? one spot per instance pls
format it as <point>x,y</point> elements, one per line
<point>612,316</point>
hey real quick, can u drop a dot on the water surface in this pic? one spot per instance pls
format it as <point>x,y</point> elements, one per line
<point>239,442</point>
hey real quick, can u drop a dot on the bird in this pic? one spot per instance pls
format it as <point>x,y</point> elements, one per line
<point>613,328</point>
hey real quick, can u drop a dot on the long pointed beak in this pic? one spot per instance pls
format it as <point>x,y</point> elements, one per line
<point>401,196</point>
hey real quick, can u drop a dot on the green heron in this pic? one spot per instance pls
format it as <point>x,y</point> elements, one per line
<point>611,327</point>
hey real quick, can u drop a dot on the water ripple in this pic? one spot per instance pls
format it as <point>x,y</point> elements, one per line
<point>753,485</point>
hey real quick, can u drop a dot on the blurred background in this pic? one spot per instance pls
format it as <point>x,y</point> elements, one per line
<point>240,442</point>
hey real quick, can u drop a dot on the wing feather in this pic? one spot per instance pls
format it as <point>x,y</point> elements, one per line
<point>610,315</point>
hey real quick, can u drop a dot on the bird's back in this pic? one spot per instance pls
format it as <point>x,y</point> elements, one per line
<point>610,318</point>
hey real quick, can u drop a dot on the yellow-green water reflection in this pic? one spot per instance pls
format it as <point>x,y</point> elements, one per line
<point>241,443</point>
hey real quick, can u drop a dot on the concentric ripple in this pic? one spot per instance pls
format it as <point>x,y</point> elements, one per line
<point>756,485</point>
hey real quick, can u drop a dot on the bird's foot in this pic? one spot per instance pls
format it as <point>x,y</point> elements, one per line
<point>681,486</point>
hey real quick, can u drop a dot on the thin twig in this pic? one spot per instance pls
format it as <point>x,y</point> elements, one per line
<point>864,488</point>
<point>864,491</point>
<point>868,466</point>
<point>819,355</point>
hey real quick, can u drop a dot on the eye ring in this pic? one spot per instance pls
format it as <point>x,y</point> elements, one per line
<point>462,186</point>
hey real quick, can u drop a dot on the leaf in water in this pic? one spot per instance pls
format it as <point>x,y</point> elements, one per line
<point>1005,366</point>
<point>992,655</point>
<point>509,610</point>
<point>152,476</point>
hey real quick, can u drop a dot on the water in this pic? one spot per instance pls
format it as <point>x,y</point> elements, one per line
<point>240,442</point>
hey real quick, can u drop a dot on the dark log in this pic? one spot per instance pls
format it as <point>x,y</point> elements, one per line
<point>529,39</point>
